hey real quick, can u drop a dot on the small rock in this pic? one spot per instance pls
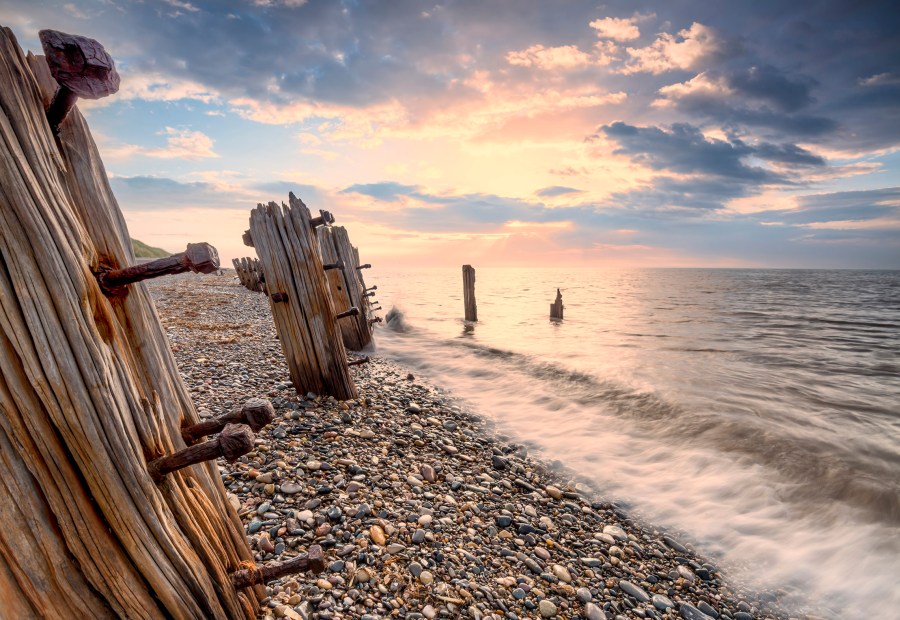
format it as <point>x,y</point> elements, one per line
<point>546,608</point>
<point>592,612</point>
<point>632,590</point>
<point>584,595</point>
<point>426,578</point>
<point>553,492</point>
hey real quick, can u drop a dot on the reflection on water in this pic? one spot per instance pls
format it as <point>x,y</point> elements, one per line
<point>754,410</point>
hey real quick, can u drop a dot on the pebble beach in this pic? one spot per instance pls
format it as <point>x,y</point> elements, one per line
<point>422,509</point>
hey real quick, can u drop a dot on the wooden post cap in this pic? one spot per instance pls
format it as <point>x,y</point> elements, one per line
<point>234,441</point>
<point>255,413</point>
<point>313,561</point>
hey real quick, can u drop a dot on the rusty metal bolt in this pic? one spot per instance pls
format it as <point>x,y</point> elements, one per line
<point>325,219</point>
<point>81,67</point>
<point>354,311</point>
<point>234,441</point>
<point>199,258</point>
<point>313,561</point>
<point>366,266</point>
<point>279,297</point>
<point>372,294</point>
<point>256,413</point>
<point>338,265</point>
<point>377,319</point>
<point>373,288</point>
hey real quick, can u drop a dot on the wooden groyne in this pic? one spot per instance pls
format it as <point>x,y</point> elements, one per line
<point>307,323</point>
<point>249,274</point>
<point>105,510</point>
<point>346,285</point>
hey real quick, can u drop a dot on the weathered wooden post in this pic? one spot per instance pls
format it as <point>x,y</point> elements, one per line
<point>90,393</point>
<point>345,285</point>
<point>284,238</point>
<point>468,273</point>
<point>556,308</point>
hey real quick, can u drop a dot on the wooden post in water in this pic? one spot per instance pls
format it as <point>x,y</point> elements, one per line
<point>556,308</point>
<point>307,324</point>
<point>90,394</point>
<point>468,273</point>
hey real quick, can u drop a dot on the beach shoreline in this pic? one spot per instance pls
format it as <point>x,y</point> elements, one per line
<point>422,509</point>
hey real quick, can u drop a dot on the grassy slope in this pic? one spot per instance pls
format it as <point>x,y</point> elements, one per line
<point>142,250</point>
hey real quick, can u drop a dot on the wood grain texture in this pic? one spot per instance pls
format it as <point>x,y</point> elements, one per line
<point>307,328</point>
<point>89,392</point>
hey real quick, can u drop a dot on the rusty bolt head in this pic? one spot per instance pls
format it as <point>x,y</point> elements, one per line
<point>79,64</point>
<point>201,258</point>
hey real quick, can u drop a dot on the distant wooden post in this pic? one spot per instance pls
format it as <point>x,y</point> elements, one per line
<point>556,308</point>
<point>468,273</point>
<point>305,319</point>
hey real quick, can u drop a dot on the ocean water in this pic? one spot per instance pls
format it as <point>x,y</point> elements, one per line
<point>755,413</point>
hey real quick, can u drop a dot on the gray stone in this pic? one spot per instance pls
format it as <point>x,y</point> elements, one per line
<point>584,595</point>
<point>632,590</point>
<point>661,602</point>
<point>689,612</point>
<point>547,609</point>
<point>592,612</point>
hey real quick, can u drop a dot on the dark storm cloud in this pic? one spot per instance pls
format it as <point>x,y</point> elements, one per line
<point>684,148</point>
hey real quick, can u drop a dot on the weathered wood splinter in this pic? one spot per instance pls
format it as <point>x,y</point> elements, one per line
<point>313,561</point>
<point>234,441</point>
<point>199,258</point>
<point>256,413</point>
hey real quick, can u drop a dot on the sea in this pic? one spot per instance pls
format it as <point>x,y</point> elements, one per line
<point>754,413</point>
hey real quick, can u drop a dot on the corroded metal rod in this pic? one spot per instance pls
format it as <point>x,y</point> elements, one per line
<point>377,319</point>
<point>374,287</point>
<point>256,413</point>
<point>354,311</point>
<point>325,219</point>
<point>366,266</point>
<point>235,440</point>
<point>338,265</point>
<point>199,258</point>
<point>313,561</point>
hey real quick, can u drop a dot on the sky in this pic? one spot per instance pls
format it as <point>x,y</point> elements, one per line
<point>683,133</point>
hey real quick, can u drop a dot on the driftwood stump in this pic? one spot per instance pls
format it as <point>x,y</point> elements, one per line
<point>557,307</point>
<point>306,322</point>
<point>90,393</point>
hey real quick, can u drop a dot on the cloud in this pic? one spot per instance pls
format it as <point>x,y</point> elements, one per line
<point>550,58</point>
<point>618,29</point>
<point>843,207</point>
<point>669,52</point>
<point>387,192</point>
<point>557,190</point>
<point>684,149</point>
<point>180,144</point>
